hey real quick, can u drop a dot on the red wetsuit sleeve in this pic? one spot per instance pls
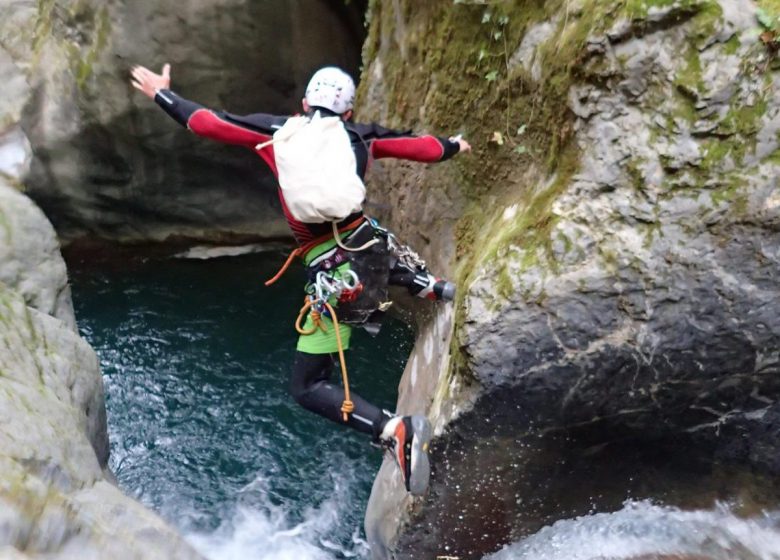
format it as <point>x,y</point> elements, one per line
<point>218,125</point>
<point>247,131</point>
<point>426,149</point>
<point>207,124</point>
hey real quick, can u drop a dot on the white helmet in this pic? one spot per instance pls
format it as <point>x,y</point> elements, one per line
<point>331,88</point>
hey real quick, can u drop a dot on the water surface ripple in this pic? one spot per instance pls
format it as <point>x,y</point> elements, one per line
<point>195,358</point>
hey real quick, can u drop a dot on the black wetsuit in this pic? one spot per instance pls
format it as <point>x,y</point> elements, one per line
<point>310,382</point>
<point>369,142</point>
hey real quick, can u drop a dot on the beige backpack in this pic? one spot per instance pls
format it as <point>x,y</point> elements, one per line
<point>317,169</point>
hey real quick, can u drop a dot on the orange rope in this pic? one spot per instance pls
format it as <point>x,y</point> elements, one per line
<point>285,266</point>
<point>347,406</point>
<point>303,249</point>
<point>316,318</point>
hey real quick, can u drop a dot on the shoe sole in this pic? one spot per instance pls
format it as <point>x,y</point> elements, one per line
<point>420,468</point>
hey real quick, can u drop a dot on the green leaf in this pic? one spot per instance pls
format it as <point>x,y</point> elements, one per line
<point>765,19</point>
<point>503,20</point>
<point>486,17</point>
<point>521,149</point>
<point>492,76</point>
<point>482,55</point>
<point>497,35</point>
<point>521,129</point>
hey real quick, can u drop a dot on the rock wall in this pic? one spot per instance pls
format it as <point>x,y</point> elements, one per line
<point>106,161</point>
<point>57,498</point>
<point>30,257</point>
<point>616,237</point>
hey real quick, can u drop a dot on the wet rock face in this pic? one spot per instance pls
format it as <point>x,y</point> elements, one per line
<point>56,498</point>
<point>620,286</point>
<point>107,161</point>
<point>650,311</point>
<point>30,257</point>
<point>650,307</point>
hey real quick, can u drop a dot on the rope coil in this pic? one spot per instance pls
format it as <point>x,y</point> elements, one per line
<point>313,303</point>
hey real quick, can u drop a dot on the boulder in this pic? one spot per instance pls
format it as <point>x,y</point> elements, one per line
<point>30,258</point>
<point>57,498</point>
<point>615,235</point>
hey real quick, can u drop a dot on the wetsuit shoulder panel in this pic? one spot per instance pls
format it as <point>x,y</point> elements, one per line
<point>263,123</point>
<point>373,131</point>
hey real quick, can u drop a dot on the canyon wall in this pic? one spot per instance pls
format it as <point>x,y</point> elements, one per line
<point>615,236</point>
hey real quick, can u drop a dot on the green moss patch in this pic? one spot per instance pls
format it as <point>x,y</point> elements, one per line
<point>770,6</point>
<point>447,67</point>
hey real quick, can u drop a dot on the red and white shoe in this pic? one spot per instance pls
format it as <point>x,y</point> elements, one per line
<point>408,437</point>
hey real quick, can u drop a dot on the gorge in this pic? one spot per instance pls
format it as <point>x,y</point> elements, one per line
<point>615,237</point>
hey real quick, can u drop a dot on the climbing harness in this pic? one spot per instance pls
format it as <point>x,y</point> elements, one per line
<point>303,249</point>
<point>326,287</point>
<point>405,255</point>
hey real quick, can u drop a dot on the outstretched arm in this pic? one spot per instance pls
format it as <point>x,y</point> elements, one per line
<point>405,145</point>
<point>200,120</point>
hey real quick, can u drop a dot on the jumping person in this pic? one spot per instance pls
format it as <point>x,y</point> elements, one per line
<point>329,248</point>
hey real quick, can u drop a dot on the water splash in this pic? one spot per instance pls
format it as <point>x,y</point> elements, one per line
<point>645,530</point>
<point>196,358</point>
<point>260,529</point>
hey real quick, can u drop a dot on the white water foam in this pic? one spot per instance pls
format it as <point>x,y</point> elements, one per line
<point>642,529</point>
<point>206,252</point>
<point>265,531</point>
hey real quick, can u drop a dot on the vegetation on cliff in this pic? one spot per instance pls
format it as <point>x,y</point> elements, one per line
<point>502,74</point>
<point>616,228</point>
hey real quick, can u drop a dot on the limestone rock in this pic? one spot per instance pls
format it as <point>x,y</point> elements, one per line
<point>525,55</point>
<point>30,261</point>
<point>56,498</point>
<point>15,153</point>
<point>620,251</point>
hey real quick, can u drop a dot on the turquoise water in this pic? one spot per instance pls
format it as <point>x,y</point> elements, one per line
<point>195,357</point>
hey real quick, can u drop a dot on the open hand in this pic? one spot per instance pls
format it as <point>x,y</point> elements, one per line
<point>150,83</point>
<point>464,146</point>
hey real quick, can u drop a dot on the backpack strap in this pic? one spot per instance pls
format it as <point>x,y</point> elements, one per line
<point>278,137</point>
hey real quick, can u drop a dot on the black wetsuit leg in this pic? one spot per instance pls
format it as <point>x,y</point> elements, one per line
<point>310,387</point>
<point>402,275</point>
<point>415,278</point>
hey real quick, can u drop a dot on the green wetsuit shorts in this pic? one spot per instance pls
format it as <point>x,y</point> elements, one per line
<point>321,342</point>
